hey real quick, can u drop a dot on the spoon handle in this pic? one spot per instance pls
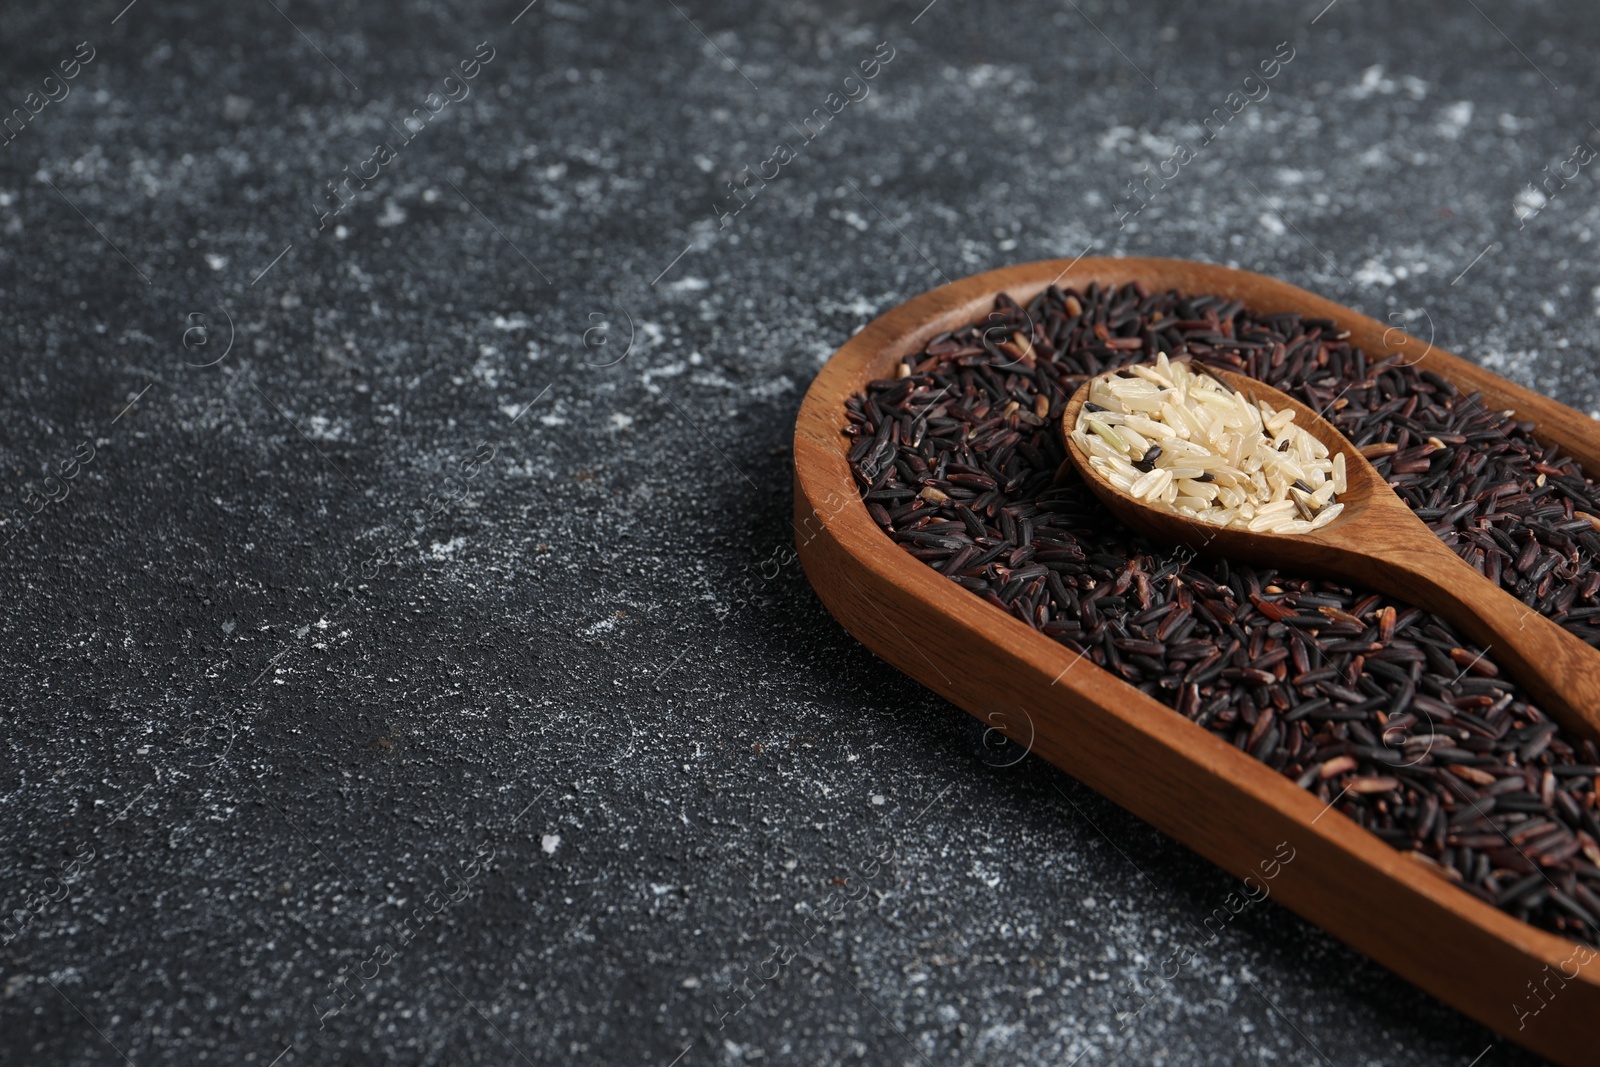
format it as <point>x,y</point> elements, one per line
<point>1556,668</point>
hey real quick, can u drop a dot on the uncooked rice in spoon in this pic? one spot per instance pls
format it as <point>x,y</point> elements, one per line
<point>1185,442</point>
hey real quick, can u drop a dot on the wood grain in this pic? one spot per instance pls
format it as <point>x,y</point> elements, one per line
<point>1144,756</point>
<point>1378,542</point>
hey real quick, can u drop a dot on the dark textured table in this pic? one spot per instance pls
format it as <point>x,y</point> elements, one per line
<point>402,660</point>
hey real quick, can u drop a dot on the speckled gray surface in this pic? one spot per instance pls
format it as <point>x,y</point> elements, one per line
<point>423,599</point>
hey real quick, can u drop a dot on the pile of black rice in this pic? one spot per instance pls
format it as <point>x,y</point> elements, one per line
<point>1377,707</point>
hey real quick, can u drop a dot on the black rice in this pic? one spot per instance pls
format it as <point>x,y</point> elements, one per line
<point>1376,707</point>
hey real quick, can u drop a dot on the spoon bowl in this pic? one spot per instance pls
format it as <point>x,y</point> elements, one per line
<point>1377,541</point>
<point>1364,486</point>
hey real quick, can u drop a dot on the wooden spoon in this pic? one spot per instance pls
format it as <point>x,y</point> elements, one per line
<point>1379,543</point>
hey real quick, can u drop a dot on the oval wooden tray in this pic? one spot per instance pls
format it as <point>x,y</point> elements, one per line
<point>1141,754</point>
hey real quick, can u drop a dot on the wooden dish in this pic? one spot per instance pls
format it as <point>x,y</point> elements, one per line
<point>1144,756</point>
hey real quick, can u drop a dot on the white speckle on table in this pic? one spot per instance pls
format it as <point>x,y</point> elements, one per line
<point>447,548</point>
<point>777,385</point>
<point>393,214</point>
<point>1373,81</point>
<point>1115,136</point>
<point>605,625</point>
<point>1374,273</point>
<point>620,421</point>
<point>487,369</point>
<point>216,262</point>
<point>852,218</point>
<point>1517,364</point>
<point>550,842</point>
<point>323,428</point>
<point>1415,87</point>
<point>653,334</point>
<point>1454,118</point>
<point>668,370</point>
<point>1529,201</point>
